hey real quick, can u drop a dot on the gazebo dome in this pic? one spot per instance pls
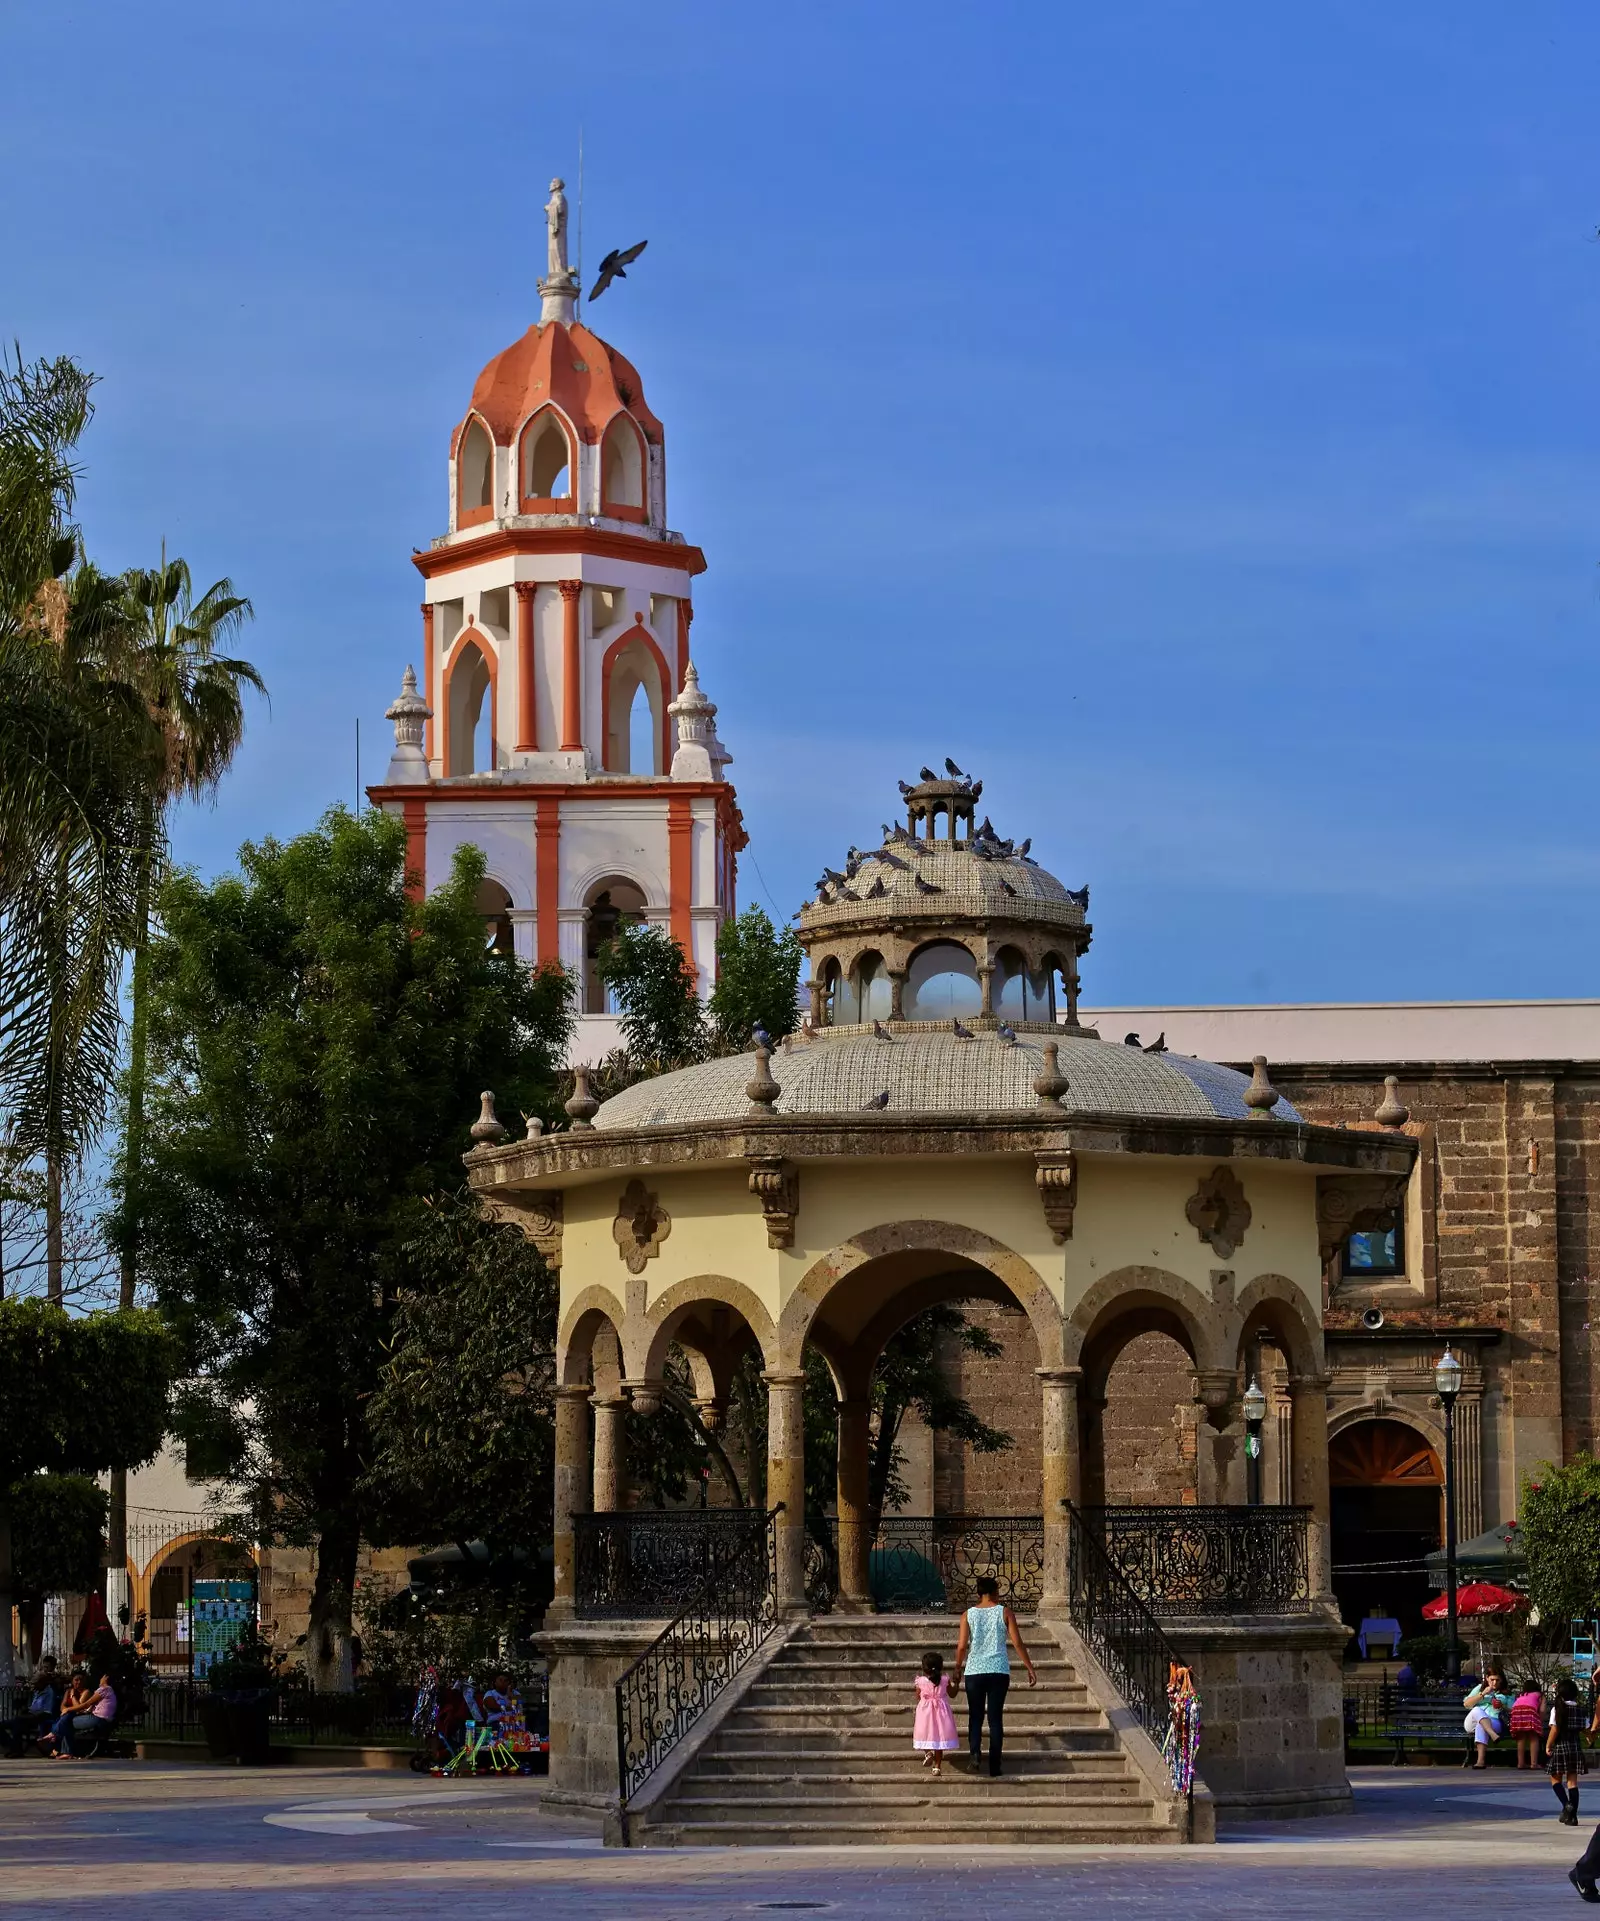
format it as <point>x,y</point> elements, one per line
<point>933,1070</point>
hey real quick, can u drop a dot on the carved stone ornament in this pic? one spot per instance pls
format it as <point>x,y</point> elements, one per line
<point>1056,1176</point>
<point>1219,1212</point>
<point>777,1186</point>
<point>1356,1204</point>
<point>642,1224</point>
<point>539,1215</point>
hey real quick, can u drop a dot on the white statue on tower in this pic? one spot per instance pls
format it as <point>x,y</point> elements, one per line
<point>559,288</point>
<point>555,213</point>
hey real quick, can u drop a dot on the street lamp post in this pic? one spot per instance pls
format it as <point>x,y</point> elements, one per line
<point>1255,1412</point>
<point>1447,1379</point>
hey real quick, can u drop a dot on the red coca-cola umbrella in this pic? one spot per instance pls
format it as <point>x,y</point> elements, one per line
<point>1477,1597</point>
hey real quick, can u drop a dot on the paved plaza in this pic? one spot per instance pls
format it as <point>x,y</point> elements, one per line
<point>194,1843</point>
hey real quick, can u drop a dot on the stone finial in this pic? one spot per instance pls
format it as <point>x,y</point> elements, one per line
<point>762,1089</point>
<point>1392,1112</point>
<point>535,1126</point>
<point>583,1106</point>
<point>1051,1083</point>
<point>488,1130</point>
<point>409,711</point>
<point>1260,1096</point>
<point>700,755</point>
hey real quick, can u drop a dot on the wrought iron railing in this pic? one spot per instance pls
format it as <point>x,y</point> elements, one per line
<point>930,1563</point>
<point>1118,1627</point>
<point>723,1623</point>
<point>648,1564</point>
<point>1210,1560</point>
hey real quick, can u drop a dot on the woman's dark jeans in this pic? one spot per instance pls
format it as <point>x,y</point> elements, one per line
<point>986,1694</point>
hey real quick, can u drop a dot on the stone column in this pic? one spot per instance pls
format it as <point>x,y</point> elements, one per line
<point>1216,1390</point>
<point>571,667</point>
<point>428,689</point>
<point>786,1484</point>
<point>1309,1446</point>
<point>527,718</point>
<point>855,1532</point>
<point>1061,1478</point>
<point>817,1009</point>
<point>1092,1446</point>
<point>571,1490</point>
<point>897,995</point>
<point>610,1456</point>
<point>986,988</point>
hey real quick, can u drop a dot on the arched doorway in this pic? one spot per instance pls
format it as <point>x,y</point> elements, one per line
<point>1387,1489</point>
<point>1150,1425</point>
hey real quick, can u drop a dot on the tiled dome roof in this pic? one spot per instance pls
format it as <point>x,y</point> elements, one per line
<point>947,879</point>
<point>932,1070</point>
<point>587,379</point>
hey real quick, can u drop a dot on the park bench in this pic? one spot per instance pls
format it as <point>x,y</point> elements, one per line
<point>1428,1718</point>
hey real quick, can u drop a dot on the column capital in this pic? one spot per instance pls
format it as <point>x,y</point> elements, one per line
<point>570,589</point>
<point>582,1392</point>
<point>1059,1376</point>
<point>1310,1383</point>
<point>524,589</point>
<point>776,1377</point>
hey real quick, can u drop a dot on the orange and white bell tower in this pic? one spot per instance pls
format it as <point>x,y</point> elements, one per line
<point>558,723</point>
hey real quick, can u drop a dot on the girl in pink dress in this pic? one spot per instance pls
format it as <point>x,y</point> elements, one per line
<point>935,1731</point>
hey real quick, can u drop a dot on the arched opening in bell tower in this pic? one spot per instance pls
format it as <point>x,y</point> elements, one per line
<point>636,708</point>
<point>475,470</point>
<point>470,712</point>
<point>612,905</point>
<point>622,467</point>
<point>546,461</point>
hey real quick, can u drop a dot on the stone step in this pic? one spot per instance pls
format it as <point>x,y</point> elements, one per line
<point>1097,1827</point>
<point>826,1670</point>
<point>762,1757</point>
<point>772,1688</point>
<point>761,1710</point>
<point>734,1739</point>
<point>846,1791</point>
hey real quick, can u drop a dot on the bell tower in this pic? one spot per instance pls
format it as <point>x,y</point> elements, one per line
<point>555,720</point>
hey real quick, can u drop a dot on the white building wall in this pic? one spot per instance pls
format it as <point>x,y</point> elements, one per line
<point>1380,1031</point>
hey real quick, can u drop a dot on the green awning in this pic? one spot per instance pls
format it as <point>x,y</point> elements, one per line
<point>1495,1553</point>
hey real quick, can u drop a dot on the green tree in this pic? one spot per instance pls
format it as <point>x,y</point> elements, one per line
<point>914,1372</point>
<point>758,979</point>
<point>1560,1523</point>
<point>78,1394</point>
<point>70,792</point>
<point>461,1420</point>
<point>317,1043</point>
<point>57,1545</point>
<point>193,697</point>
<point>662,1019</point>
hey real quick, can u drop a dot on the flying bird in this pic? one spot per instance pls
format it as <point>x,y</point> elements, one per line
<point>952,769</point>
<point>615,266</point>
<point>878,1100</point>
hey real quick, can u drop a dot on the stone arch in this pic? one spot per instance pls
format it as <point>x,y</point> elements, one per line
<point>471,677</point>
<point>1020,1280</point>
<point>634,660</point>
<point>1421,1424</point>
<point>475,472</point>
<point>1274,1302</point>
<point>623,470</point>
<point>594,1308</point>
<point>1147,1297</point>
<point>537,453</point>
<point>671,1309</point>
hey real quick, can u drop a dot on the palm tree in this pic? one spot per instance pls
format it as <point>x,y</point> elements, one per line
<point>193,697</point>
<point>69,789</point>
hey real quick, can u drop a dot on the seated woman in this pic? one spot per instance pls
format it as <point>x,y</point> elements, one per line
<point>88,1723</point>
<point>47,1686</point>
<point>1488,1711</point>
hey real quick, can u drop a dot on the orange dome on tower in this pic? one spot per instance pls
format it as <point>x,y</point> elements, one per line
<point>569,367</point>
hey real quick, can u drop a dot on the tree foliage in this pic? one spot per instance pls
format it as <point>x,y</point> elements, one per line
<point>1560,1521</point>
<point>758,979</point>
<point>662,1020</point>
<point>913,1373</point>
<point>461,1421</point>
<point>318,1041</point>
<point>57,1535</point>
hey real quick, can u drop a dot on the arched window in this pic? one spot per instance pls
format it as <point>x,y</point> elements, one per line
<point>494,903</point>
<point>546,460</point>
<point>635,675</point>
<point>612,905</point>
<point>471,713</point>
<point>1020,995</point>
<point>866,994</point>
<point>475,471</point>
<point>942,984</point>
<point>832,1012</point>
<point>622,466</point>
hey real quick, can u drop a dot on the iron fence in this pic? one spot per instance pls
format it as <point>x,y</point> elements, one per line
<point>1210,1560</point>
<point>1121,1632</point>
<point>724,1622</point>
<point>932,1563</point>
<point>648,1564</point>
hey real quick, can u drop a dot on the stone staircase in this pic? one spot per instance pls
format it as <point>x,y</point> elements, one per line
<point>818,1750</point>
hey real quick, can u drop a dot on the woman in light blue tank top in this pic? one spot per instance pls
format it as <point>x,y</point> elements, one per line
<point>983,1658</point>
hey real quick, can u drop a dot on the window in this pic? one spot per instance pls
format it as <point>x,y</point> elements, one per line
<point>622,465</point>
<point>942,984</point>
<point>476,469</point>
<point>494,903</point>
<point>1020,995</point>
<point>632,747</point>
<point>1375,1255</point>
<point>612,905</point>
<point>471,713</point>
<point>546,472</point>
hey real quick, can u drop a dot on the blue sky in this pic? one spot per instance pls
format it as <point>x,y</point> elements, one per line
<point>1181,414</point>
